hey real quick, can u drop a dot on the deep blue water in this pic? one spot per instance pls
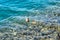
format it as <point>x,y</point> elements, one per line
<point>31,8</point>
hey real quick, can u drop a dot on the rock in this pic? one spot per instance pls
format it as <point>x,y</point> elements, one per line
<point>51,39</point>
<point>27,33</point>
<point>14,33</point>
<point>58,36</point>
<point>37,38</point>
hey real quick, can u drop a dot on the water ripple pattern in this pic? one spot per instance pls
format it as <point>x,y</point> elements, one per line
<point>44,18</point>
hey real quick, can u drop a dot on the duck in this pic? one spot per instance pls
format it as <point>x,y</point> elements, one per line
<point>32,22</point>
<point>27,20</point>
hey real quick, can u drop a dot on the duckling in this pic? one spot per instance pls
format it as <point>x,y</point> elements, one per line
<point>27,20</point>
<point>33,21</point>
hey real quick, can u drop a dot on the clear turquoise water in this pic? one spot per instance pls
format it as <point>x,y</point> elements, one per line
<point>14,12</point>
<point>42,9</point>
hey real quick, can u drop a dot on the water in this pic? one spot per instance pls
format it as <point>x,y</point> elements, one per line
<point>14,12</point>
<point>23,8</point>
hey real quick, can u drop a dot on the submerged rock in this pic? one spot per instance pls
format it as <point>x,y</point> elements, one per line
<point>58,36</point>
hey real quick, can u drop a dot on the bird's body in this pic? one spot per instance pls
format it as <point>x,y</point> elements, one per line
<point>32,22</point>
<point>27,20</point>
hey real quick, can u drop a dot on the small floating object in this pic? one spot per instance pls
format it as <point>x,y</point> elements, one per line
<point>27,19</point>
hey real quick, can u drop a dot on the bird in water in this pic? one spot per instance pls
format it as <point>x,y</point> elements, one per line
<point>27,20</point>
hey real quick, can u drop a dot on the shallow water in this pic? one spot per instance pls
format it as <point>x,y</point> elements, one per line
<point>28,8</point>
<point>14,12</point>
